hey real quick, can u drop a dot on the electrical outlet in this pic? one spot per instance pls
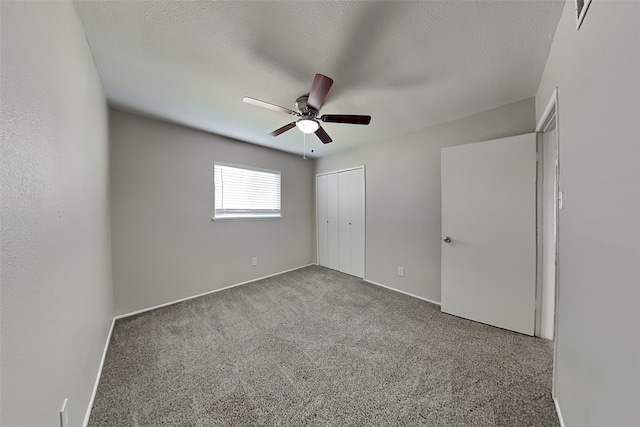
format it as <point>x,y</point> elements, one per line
<point>254,262</point>
<point>401,271</point>
<point>64,414</point>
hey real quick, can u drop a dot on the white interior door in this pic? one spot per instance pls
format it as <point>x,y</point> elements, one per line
<point>333,229</point>
<point>322,220</point>
<point>488,211</point>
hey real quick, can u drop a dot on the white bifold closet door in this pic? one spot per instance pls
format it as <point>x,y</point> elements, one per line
<point>340,204</point>
<point>322,220</point>
<point>333,244</point>
<point>351,218</point>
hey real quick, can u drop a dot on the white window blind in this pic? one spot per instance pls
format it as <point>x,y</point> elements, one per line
<point>245,192</point>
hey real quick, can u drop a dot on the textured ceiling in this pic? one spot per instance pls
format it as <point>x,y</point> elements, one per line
<point>407,64</point>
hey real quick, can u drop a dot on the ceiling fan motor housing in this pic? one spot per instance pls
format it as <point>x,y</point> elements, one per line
<point>305,110</point>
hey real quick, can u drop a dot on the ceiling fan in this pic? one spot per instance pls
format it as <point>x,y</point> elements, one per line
<point>308,108</point>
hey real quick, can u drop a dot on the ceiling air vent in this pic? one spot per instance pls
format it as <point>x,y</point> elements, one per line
<point>581,11</point>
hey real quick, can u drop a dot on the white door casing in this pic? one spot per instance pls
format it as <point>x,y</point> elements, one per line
<point>548,240</point>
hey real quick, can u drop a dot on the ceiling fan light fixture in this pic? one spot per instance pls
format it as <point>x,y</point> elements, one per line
<point>308,108</point>
<point>307,125</point>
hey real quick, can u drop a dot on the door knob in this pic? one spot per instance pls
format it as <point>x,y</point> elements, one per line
<point>447,239</point>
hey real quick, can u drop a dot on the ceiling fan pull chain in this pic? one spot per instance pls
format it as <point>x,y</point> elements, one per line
<point>304,150</point>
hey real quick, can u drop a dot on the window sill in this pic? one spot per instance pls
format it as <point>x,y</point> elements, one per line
<point>246,218</point>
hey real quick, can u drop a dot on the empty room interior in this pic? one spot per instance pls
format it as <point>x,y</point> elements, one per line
<point>352,213</point>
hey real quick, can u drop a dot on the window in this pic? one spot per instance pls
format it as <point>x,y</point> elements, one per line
<point>245,192</point>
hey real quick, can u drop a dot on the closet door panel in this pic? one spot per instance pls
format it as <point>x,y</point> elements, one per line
<point>357,212</point>
<point>344,203</point>
<point>321,220</point>
<point>333,229</point>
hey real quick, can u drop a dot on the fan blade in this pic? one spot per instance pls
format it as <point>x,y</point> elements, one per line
<point>273,107</point>
<point>283,129</point>
<point>324,137</point>
<point>346,118</point>
<point>319,89</point>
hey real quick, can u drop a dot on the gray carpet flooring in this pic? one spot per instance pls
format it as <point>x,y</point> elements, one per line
<point>317,347</point>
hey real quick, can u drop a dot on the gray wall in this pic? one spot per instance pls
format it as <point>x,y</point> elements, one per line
<point>56,268</point>
<point>403,195</point>
<point>596,70</point>
<point>165,246</point>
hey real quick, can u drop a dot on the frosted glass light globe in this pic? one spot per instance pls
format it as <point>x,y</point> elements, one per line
<point>307,125</point>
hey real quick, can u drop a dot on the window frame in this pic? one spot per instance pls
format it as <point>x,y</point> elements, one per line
<point>245,217</point>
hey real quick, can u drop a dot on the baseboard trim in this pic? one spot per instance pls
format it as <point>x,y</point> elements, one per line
<point>133,313</point>
<point>402,292</point>
<point>557,405</point>
<point>95,385</point>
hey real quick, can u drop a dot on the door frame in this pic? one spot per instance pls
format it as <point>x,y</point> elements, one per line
<point>364,203</point>
<point>549,116</point>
